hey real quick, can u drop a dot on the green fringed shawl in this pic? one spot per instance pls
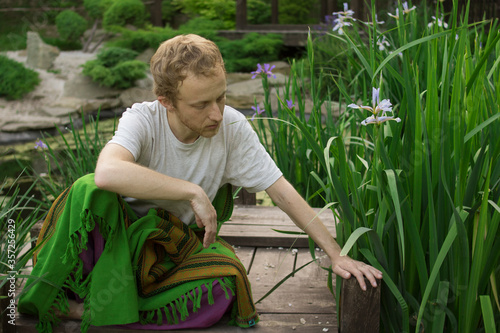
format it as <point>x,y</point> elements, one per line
<point>147,263</point>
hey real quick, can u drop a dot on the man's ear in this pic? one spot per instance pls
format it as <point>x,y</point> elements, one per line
<point>166,102</point>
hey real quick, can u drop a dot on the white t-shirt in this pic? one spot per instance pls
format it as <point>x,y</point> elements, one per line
<point>234,155</point>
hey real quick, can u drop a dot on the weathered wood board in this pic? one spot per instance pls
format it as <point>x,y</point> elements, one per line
<point>253,226</point>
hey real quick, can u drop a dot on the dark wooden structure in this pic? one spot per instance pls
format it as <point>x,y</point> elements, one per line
<point>293,34</point>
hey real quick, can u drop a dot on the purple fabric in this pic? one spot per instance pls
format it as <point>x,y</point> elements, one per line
<point>206,316</point>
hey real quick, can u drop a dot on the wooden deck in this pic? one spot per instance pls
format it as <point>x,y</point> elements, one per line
<point>302,304</point>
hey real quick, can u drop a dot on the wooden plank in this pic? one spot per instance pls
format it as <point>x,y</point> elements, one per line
<point>253,226</point>
<point>269,323</point>
<point>245,254</point>
<point>304,323</point>
<point>298,294</point>
<point>359,310</point>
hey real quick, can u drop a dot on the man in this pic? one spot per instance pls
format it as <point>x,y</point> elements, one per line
<point>176,153</point>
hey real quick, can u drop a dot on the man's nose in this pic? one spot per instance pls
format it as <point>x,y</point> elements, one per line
<point>215,112</point>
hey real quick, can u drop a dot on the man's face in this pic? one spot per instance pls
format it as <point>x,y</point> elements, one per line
<point>199,108</point>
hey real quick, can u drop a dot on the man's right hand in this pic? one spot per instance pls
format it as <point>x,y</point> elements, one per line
<point>206,217</point>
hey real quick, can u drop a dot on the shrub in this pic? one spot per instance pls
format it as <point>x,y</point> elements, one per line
<point>242,55</point>
<point>15,79</point>
<point>297,11</point>
<point>96,8</point>
<point>63,45</point>
<point>111,56</point>
<point>259,12</point>
<point>223,10</point>
<point>152,37</point>
<point>115,67</point>
<point>141,39</point>
<point>124,12</point>
<point>70,25</point>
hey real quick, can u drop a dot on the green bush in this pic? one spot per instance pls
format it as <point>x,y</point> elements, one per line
<point>70,25</point>
<point>259,12</point>
<point>222,10</point>
<point>152,37</point>
<point>111,56</point>
<point>63,45</point>
<point>298,11</point>
<point>15,79</point>
<point>141,39</point>
<point>124,12</point>
<point>115,67</point>
<point>96,8</point>
<point>243,55</point>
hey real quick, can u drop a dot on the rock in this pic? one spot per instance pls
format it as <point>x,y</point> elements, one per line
<point>146,55</point>
<point>146,83</point>
<point>232,78</point>
<point>70,62</point>
<point>281,67</point>
<point>244,94</point>
<point>81,86</point>
<point>40,55</point>
<point>66,106</point>
<point>136,95</point>
<point>19,123</point>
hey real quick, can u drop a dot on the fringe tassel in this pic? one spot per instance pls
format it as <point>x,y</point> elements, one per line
<point>199,293</point>
<point>192,297</point>
<point>86,316</point>
<point>227,283</point>
<point>77,243</point>
<point>168,315</point>
<point>159,317</point>
<point>210,294</point>
<point>49,320</point>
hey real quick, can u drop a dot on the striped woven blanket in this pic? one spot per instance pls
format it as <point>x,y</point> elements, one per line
<point>149,267</point>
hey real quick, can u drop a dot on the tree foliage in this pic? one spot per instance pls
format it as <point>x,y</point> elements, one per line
<point>124,12</point>
<point>70,25</point>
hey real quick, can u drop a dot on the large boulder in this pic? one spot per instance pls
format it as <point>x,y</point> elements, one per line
<point>81,86</point>
<point>242,94</point>
<point>40,55</point>
<point>136,95</point>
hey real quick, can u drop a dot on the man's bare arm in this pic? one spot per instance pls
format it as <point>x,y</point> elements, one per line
<point>117,171</point>
<point>287,198</point>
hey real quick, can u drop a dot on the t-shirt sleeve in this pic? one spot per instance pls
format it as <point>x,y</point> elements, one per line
<point>249,165</point>
<point>133,132</point>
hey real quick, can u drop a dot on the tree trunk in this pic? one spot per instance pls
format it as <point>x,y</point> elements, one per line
<point>155,10</point>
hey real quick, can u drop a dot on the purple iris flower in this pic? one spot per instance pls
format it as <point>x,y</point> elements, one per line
<point>40,144</point>
<point>289,104</point>
<point>378,109</point>
<point>258,111</point>
<point>266,70</point>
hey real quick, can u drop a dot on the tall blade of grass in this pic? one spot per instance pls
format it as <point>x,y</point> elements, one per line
<point>393,288</point>
<point>406,47</point>
<point>439,317</point>
<point>488,316</point>
<point>352,239</point>
<point>480,254</point>
<point>479,128</point>
<point>450,238</point>
<point>391,179</point>
<point>482,61</point>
